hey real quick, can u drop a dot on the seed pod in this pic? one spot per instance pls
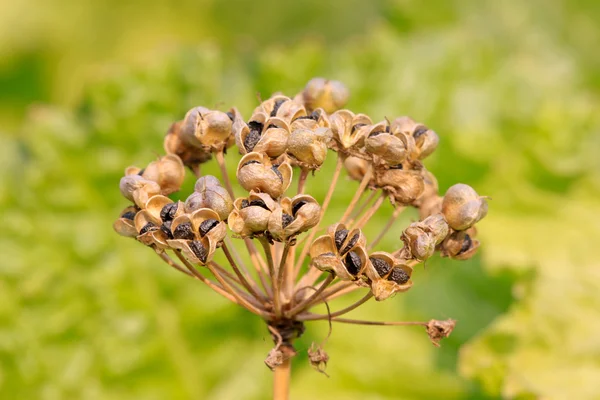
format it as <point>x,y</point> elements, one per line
<point>251,216</point>
<point>138,189</point>
<point>379,266</point>
<point>405,186</point>
<point>294,216</point>
<point>381,143</point>
<point>198,251</point>
<point>326,94</point>
<point>463,207</point>
<point>397,280</point>
<point>190,155</point>
<point>262,135</point>
<point>168,172</point>
<point>422,237</point>
<point>346,130</point>
<point>124,225</point>
<point>281,107</point>
<point>426,141</point>
<point>211,129</point>
<point>256,172</point>
<point>208,193</point>
<point>309,148</point>
<point>316,119</point>
<point>148,227</point>
<point>437,330</point>
<point>206,223</point>
<point>459,245</point>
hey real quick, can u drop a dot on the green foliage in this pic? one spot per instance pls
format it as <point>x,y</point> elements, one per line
<point>87,314</point>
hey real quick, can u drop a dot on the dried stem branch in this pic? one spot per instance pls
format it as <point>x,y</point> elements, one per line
<point>272,273</point>
<point>281,380</point>
<point>361,188</point>
<point>223,168</point>
<point>313,317</point>
<point>387,227</point>
<point>306,302</point>
<point>242,278</point>
<point>372,210</point>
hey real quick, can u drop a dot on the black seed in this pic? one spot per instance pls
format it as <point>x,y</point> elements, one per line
<point>199,250</point>
<point>328,254</point>
<point>353,263</point>
<point>251,139</point>
<point>380,266</point>
<point>399,276</point>
<point>312,116</point>
<point>259,203</point>
<point>184,231</point>
<point>387,129</point>
<point>245,203</point>
<point>340,237</point>
<point>141,171</point>
<point>206,226</point>
<point>148,227</point>
<point>166,228</point>
<point>420,130</point>
<point>373,134</point>
<point>297,206</point>
<point>467,243</point>
<point>278,104</point>
<point>168,211</point>
<point>274,168</point>
<point>250,162</point>
<point>398,166</point>
<point>286,219</point>
<point>128,215</point>
<point>351,243</point>
<point>230,115</point>
<point>272,126</point>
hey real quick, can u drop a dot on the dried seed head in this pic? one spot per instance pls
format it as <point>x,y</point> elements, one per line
<point>138,189</point>
<point>256,173</point>
<point>325,94</point>
<point>463,207</point>
<point>426,141</point>
<point>345,129</point>
<point>294,216</point>
<point>460,245</point>
<point>211,129</point>
<point>168,172</point>
<point>422,237</point>
<point>190,154</point>
<point>405,186</point>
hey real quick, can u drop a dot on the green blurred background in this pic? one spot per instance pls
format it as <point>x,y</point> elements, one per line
<point>511,87</point>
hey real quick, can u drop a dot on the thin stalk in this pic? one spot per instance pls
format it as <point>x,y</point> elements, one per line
<point>380,323</point>
<point>259,265</point>
<point>281,379</point>
<point>362,206</point>
<point>207,281</point>
<point>328,296</point>
<point>274,280</point>
<point>196,170</point>
<point>387,227</point>
<point>370,212</point>
<point>169,261</point>
<point>306,302</point>
<point>281,272</point>
<point>251,288</point>
<point>338,169</point>
<point>223,168</point>
<point>314,317</point>
<point>361,188</point>
<point>302,181</point>
<point>241,300</point>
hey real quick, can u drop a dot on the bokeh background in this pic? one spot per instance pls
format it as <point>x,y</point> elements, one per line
<point>511,87</point>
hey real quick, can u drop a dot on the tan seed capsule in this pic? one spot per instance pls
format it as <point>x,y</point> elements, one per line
<point>463,207</point>
<point>326,94</point>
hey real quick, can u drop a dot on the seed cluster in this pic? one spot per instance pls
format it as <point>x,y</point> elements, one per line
<point>286,136</point>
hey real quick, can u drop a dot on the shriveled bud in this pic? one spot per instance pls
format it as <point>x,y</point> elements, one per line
<point>460,245</point>
<point>308,147</point>
<point>463,207</point>
<point>208,193</point>
<point>256,172</point>
<point>326,94</point>
<point>422,237</point>
<point>438,330</point>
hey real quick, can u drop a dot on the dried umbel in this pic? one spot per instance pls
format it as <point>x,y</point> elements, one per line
<point>289,270</point>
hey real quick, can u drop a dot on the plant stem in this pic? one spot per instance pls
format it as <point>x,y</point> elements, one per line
<point>370,212</point>
<point>281,272</point>
<point>380,323</point>
<point>302,181</point>
<point>241,277</point>
<point>361,188</point>
<point>281,379</point>
<point>272,273</point>
<point>223,167</point>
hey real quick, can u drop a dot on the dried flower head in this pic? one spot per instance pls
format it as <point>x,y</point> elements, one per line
<point>289,270</point>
